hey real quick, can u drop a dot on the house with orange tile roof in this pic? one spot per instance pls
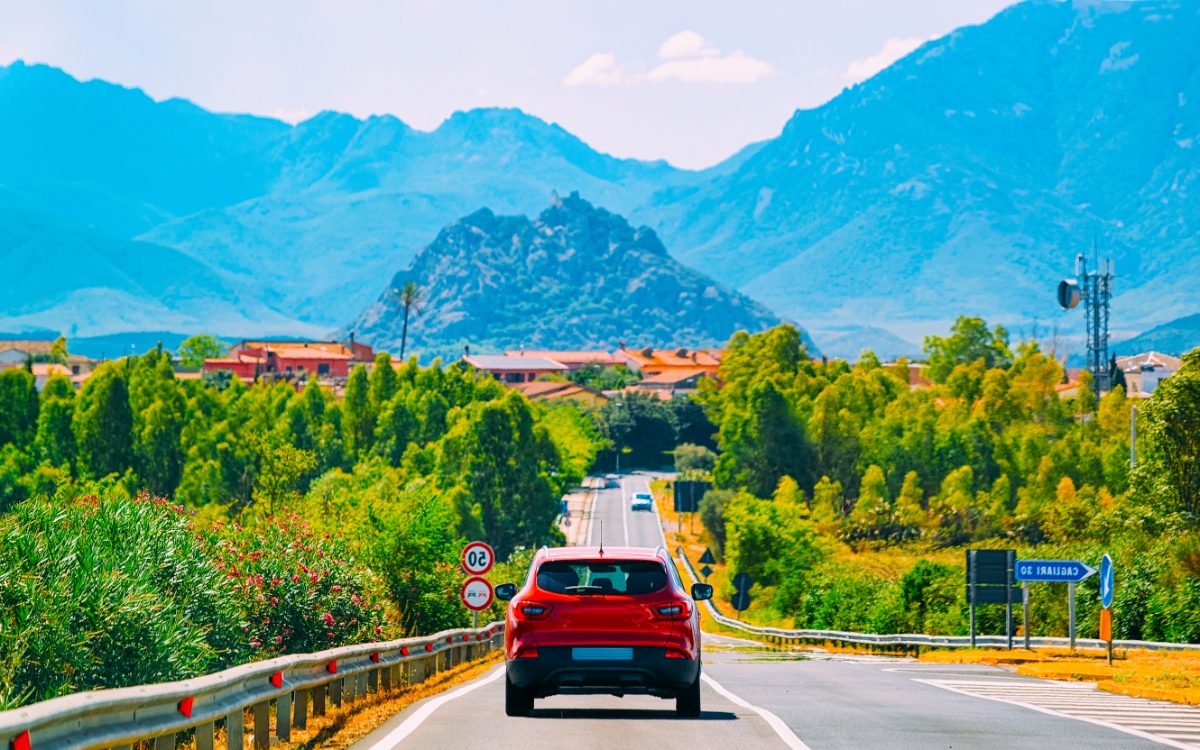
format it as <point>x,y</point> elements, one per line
<point>250,360</point>
<point>649,362</point>
<point>555,390</point>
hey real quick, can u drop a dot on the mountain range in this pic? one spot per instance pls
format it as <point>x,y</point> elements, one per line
<point>962,179</point>
<point>576,277</point>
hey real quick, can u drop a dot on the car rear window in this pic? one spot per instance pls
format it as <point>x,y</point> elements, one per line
<point>583,577</point>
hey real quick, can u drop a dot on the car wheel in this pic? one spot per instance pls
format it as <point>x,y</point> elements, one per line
<point>518,701</point>
<point>687,703</point>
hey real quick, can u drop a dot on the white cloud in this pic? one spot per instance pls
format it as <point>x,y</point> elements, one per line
<point>600,69</point>
<point>893,50</point>
<point>687,56</point>
<point>737,67</point>
<point>686,44</point>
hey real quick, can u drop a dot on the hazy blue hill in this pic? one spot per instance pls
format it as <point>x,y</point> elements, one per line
<point>1176,338</point>
<point>110,284</point>
<point>575,277</point>
<point>965,177</point>
<point>77,145</point>
<point>849,342</point>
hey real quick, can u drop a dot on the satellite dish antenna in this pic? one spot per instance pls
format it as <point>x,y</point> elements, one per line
<point>1068,294</point>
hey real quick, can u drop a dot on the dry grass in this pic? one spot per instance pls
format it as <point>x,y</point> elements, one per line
<point>1162,675</point>
<point>341,727</point>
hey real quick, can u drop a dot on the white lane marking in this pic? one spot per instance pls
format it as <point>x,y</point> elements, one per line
<point>592,512</point>
<point>625,513</point>
<point>959,686</point>
<point>784,732</point>
<point>397,735</point>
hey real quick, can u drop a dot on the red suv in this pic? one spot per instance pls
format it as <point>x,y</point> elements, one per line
<point>593,620</point>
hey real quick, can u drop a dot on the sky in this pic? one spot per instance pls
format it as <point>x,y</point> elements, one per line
<point>689,82</point>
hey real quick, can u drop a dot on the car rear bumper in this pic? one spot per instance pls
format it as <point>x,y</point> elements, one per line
<point>650,672</point>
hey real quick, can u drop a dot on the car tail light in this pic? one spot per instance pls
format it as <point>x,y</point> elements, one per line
<point>527,653</point>
<point>533,611</point>
<point>671,611</point>
<point>674,653</point>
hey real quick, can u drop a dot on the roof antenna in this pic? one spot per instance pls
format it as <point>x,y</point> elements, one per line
<point>602,537</point>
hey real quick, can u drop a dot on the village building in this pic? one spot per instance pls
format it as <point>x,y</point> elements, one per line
<point>513,370</point>
<point>1143,372</point>
<point>573,360</point>
<point>651,362</point>
<point>250,360</point>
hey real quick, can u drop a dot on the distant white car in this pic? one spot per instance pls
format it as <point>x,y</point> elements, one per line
<point>612,480</point>
<point>642,501</point>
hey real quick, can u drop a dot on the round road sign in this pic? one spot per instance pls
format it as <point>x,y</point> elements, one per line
<point>477,558</point>
<point>476,593</point>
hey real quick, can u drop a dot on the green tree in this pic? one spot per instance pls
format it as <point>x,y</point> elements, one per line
<point>195,349</point>
<point>159,410</point>
<point>103,423</point>
<point>55,438</point>
<point>694,459</point>
<point>383,381</point>
<point>358,421</point>
<point>1168,468</point>
<point>18,407</point>
<point>969,340</point>
<point>762,443</point>
<point>281,465</point>
<point>873,516</point>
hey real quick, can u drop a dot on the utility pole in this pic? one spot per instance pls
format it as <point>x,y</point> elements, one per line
<point>1133,436</point>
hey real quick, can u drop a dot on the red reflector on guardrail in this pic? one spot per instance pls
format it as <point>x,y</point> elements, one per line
<point>466,638</point>
<point>277,679</point>
<point>21,741</point>
<point>428,646</point>
<point>449,639</point>
<point>332,668</point>
<point>185,706</point>
<point>375,658</point>
<point>404,650</point>
<point>479,637</point>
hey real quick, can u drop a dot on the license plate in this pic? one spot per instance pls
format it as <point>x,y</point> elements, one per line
<point>603,653</point>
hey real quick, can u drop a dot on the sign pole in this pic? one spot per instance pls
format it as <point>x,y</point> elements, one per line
<point>971,574</point>
<point>1025,602</point>
<point>1008,584</point>
<point>476,618</point>
<point>1071,610</point>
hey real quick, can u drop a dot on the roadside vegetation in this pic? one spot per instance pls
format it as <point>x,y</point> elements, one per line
<point>849,496</point>
<point>154,529</point>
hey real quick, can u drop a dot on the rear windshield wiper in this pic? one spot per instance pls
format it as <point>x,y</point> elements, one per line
<point>584,589</point>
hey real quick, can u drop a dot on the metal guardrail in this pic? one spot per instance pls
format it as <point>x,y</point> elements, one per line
<point>915,640</point>
<point>299,685</point>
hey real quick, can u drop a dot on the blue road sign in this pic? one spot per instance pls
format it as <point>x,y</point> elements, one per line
<point>1052,571</point>
<point>1108,581</point>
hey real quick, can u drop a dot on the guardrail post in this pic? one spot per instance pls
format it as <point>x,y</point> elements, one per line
<point>385,677</point>
<point>373,680</point>
<point>262,725</point>
<point>361,691</point>
<point>283,717</point>
<point>234,730</point>
<point>204,736</point>
<point>300,709</point>
<point>319,699</point>
<point>335,693</point>
<point>165,742</point>
<point>348,684</point>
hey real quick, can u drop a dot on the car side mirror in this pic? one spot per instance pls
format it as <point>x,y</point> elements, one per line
<point>700,591</point>
<point>506,591</point>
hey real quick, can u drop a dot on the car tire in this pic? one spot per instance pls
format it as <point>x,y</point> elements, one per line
<point>687,702</point>
<point>518,701</point>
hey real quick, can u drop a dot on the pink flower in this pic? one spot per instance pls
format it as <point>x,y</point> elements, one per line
<point>279,639</point>
<point>274,601</point>
<point>256,643</point>
<point>336,588</point>
<point>355,599</point>
<point>328,618</point>
<point>313,578</point>
<point>296,578</point>
<point>329,634</point>
<point>378,630</point>
<point>275,581</point>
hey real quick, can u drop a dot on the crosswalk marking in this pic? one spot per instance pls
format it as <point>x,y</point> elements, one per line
<point>1166,723</point>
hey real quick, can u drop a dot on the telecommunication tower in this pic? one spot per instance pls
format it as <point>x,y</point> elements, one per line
<point>1094,289</point>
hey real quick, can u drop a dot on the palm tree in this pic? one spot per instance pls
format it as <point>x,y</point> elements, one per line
<point>410,297</point>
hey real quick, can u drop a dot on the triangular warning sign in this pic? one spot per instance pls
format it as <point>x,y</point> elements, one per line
<point>707,558</point>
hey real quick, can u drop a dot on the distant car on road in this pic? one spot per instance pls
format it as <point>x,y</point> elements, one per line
<point>609,621</point>
<point>642,501</point>
<point>612,480</point>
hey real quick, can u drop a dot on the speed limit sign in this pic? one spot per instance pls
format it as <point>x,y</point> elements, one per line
<point>477,558</point>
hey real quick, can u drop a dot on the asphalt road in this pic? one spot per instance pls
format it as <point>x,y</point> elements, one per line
<point>754,698</point>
